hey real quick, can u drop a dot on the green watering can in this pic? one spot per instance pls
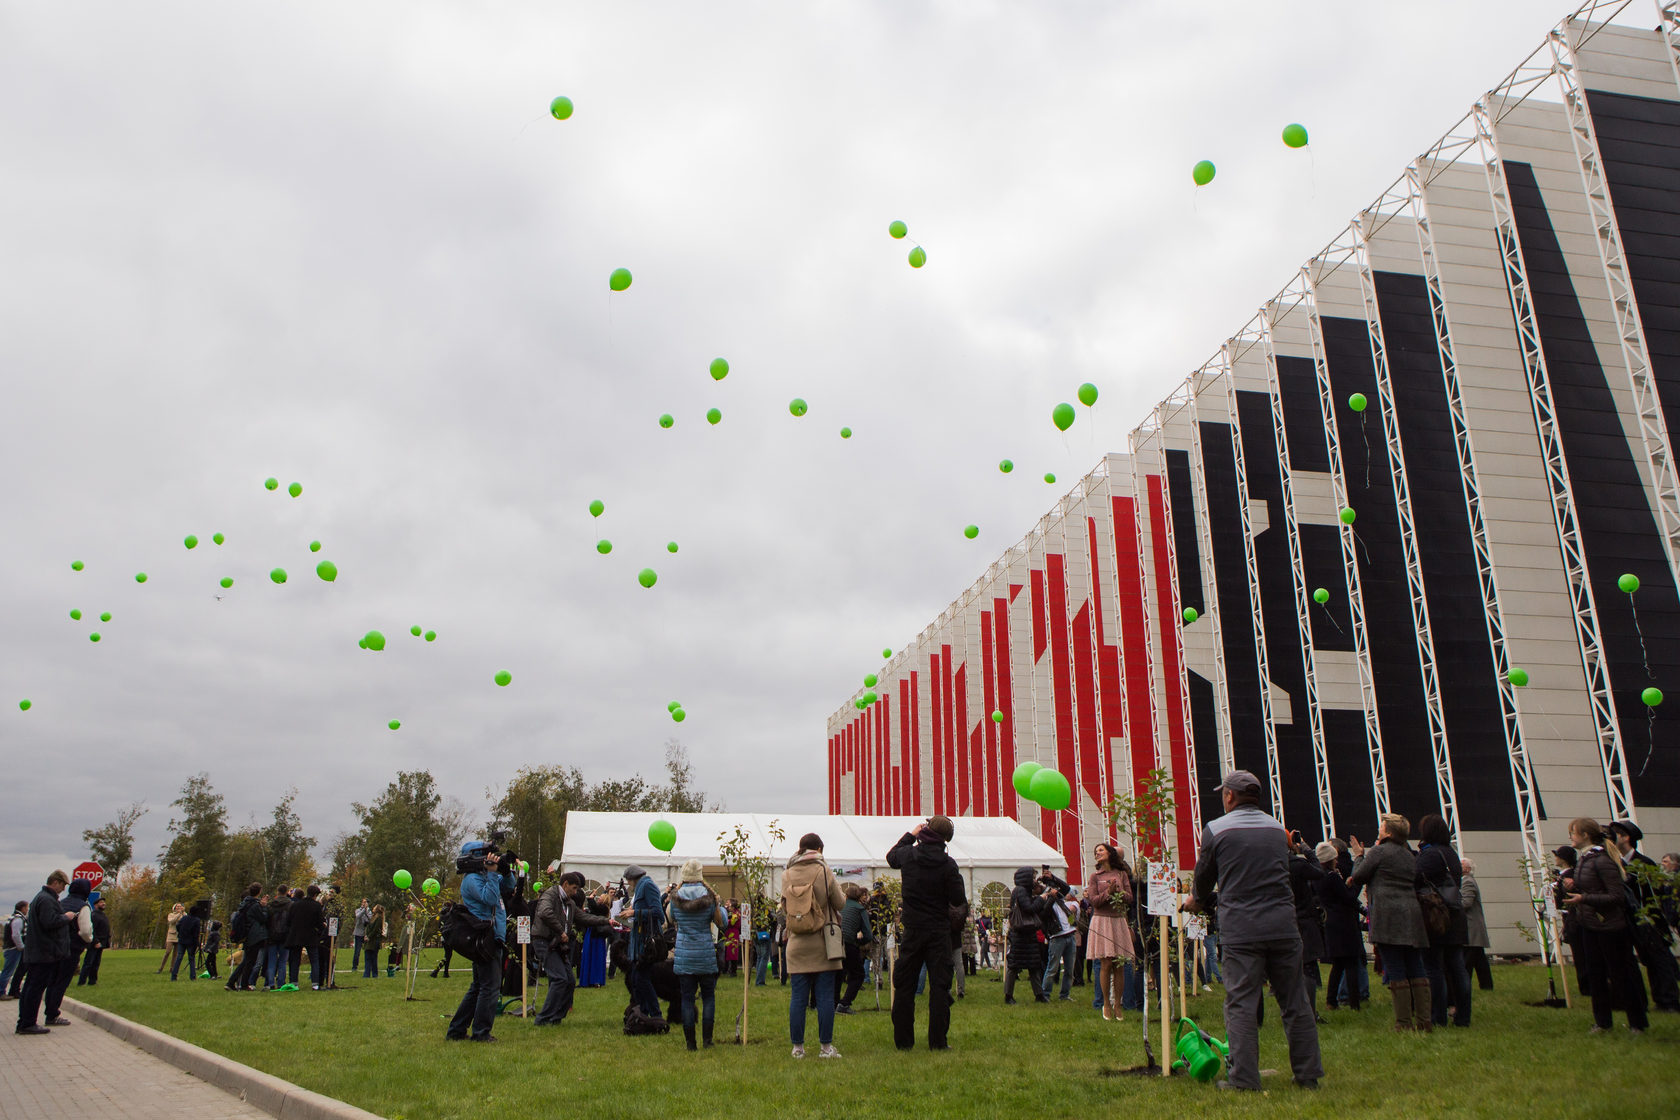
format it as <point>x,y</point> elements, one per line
<point>1199,1053</point>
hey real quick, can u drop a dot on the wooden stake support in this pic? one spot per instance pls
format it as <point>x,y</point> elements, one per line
<point>1166,1000</point>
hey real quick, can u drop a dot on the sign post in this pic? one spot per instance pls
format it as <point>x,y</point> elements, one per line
<point>1163,898</point>
<point>747,973</point>
<point>524,935</point>
<point>332,953</point>
<point>91,871</point>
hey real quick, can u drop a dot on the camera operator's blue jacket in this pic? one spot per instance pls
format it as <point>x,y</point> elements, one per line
<point>482,892</point>
<point>647,911</point>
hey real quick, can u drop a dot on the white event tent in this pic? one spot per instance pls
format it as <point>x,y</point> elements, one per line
<point>987,849</point>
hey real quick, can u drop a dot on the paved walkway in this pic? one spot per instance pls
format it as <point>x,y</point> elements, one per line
<point>81,1070</point>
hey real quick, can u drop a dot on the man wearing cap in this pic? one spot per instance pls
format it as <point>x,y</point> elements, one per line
<point>46,944</point>
<point>1245,856</point>
<point>647,919</point>
<point>1650,926</point>
<point>934,902</point>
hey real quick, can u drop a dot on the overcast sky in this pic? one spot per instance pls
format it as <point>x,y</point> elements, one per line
<point>346,245</point>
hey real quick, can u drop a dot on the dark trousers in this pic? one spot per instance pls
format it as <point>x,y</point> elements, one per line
<point>21,971</point>
<point>35,984</point>
<point>478,1007</point>
<point>318,957</point>
<point>1030,959</point>
<point>1078,965</point>
<point>1476,960</point>
<point>1658,960</point>
<point>853,974</point>
<point>1613,977</point>
<point>189,953</point>
<point>1344,967</point>
<point>210,964</point>
<point>65,971</point>
<point>356,956</point>
<point>641,988</point>
<point>294,961</point>
<point>929,949</point>
<point>1449,984</point>
<point>90,966</point>
<point>705,985</point>
<point>250,967</point>
<point>1247,967</point>
<point>557,965</point>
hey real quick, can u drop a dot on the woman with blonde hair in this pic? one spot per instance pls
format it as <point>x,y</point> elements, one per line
<point>176,913</point>
<point>1388,871</point>
<point>1598,899</point>
<point>373,939</point>
<point>1109,938</point>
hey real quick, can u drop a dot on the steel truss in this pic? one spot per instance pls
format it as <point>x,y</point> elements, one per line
<point>1670,28</point>
<point>1210,580</point>
<point>1298,578</point>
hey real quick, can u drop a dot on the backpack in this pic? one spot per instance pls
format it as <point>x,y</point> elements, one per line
<point>465,933</point>
<point>635,1022</point>
<point>6,936</point>
<point>803,913</point>
<point>240,926</point>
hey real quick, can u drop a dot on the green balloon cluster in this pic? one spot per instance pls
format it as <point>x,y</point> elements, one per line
<point>597,508</point>
<point>619,280</point>
<point>402,880</point>
<point>673,705</point>
<point>327,571</point>
<point>1518,677</point>
<point>295,489</point>
<point>713,415</point>
<point>415,630</point>
<point>886,654</point>
<point>720,369</point>
<point>1022,778</point>
<point>1006,466</point>
<point>678,715</point>
<point>603,546</point>
<point>1347,515</point>
<point>105,616</point>
<point>869,698</point>
<point>93,637</point>
<point>1357,402</point>
<point>1203,172</point>
<point>896,230</point>
<point>1087,394</point>
<point>918,257</point>
<point>191,542</point>
<point>662,835</point>
<point>394,724</point>
<point>504,678</point>
<point>1321,596</point>
<point>1652,697</point>
<point>647,577</point>
<point>1191,614</point>
<point>24,705</point>
<point>278,575</point>
<point>561,110</point>
<point>1628,582</point>
<point>1062,416</point>
<point>971,531</point>
<point>869,680</point>
<point>373,641</point>
<point>431,886</point>
<point>666,420</point>
<point>1295,135</point>
<point>845,433</point>
<point>797,406</point>
<point>1050,790</point>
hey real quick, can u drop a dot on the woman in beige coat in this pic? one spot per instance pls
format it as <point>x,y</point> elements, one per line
<point>811,903</point>
<point>176,913</point>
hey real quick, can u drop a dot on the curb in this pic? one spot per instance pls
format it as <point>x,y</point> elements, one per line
<point>265,1091</point>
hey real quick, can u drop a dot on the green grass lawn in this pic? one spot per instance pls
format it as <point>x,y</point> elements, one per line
<point>365,1044</point>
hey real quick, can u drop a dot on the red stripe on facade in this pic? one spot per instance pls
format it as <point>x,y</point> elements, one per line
<point>1036,579</point>
<point>1108,667</point>
<point>936,724</point>
<point>1134,639</point>
<point>988,694</point>
<point>1014,590</point>
<point>1172,667</point>
<point>952,736</point>
<point>966,772</point>
<point>1006,705</point>
<point>901,791</point>
<point>915,775</point>
<point>1061,662</point>
<point>1085,685</point>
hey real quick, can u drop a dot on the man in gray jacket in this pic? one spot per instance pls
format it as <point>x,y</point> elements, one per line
<point>364,915</point>
<point>1245,856</point>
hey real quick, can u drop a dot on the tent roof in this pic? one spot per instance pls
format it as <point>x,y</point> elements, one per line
<point>601,845</point>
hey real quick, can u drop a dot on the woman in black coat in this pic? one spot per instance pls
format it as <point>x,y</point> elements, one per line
<point>1449,977</point>
<point>1344,948</point>
<point>1026,944</point>
<point>1598,898</point>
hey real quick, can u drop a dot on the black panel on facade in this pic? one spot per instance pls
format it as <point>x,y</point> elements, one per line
<point>1236,613</point>
<point>1452,591</point>
<point>1187,546</point>
<point>1352,794</point>
<point>1617,527</point>
<point>1321,545</point>
<point>1204,727</point>
<point>1299,793</point>
<point>1401,714</point>
<point>1303,425</point>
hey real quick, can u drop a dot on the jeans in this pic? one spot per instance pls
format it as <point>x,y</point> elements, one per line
<point>1247,967</point>
<point>13,956</point>
<point>319,955</point>
<point>276,972</point>
<point>90,966</point>
<point>370,961</point>
<point>761,960</point>
<point>1063,950</point>
<point>853,973</point>
<point>706,984</point>
<point>1210,954</point>
<point>356,957</point>
<point>294,960</point>
<point>1476,960</point>
<point>478,1006</point>
<point>1344,971</point>
<point>1131,992</point>
<point>1449,984</point>
<point>190,954</point>
<point>557,966</point>
<point>1356,975</point>
<point>250,967</point>
<point>641,987</point>
<point>800,1000</point>
<point>929,949</point>
<point>1654,953</point>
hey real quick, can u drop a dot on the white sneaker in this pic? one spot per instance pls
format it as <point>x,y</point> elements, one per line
<point>799,1051</point>
<point>828,1051</point>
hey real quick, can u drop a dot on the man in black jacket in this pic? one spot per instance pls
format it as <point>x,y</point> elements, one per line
<point>933,888</point>
<point>1650,924</point>
<point>46,942</point>
<point>279,925</point>
<point>304,931</point>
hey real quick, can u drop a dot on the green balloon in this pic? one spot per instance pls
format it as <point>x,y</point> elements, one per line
<point>76,565</point>
<point>1087,394</point>
<point>394,724</point>
<point>619,280</point>
<point>1321,596</point>
<point>603,546</point>
<point>560,109</point>
<point>1191,614</point>
<point>1347,515</point>
<point>858,703</point>
<point>76,615</point>
<point>139,577</point>
<point>271,483</point>
<point>24,705</point>
<point>1652,697</point>
<point>971,531</point>
<point>1050,790</point>
<point>997,717</point>
<point>191,542</point>
<point>869,680</point>
<point>278,575</point>
<point>647,577</point>
<point>720,369</point>
<point>666,420</point>
<point>869,698</point>
<point>295,489</point>
<point>227,582</point>
<point>662,835</point>
<point>416,631</point>
<point>1006,466</point>
<point>887,654</point>
<point>504,678</point>
<point>431,886</point>
<point>679,715</point>
<point>713,416</point>
<point>797,406</point>
<point>845,433</point>
<point>896,230</point>
<point>326,569</point>
<point>1050,478</point>
<point>93,637</point>
<point>536,887</point>
<point>105,616</point>
<point>673,705</point>
<point>918,257</point>
<point>1628,582</point>
<point>671,547</point>
<point>1357,402</point>
<point>314,546</point>
<point>1518,677</point>
<point>1022,778</point>
<point>361,643</point>
<point>402,880</point>
<point>431,635</point>
<point>1202,173</point>
<point>374,640</point>
<point>1295,136</point>
<point>218,538</point>
<point>1062,416</point>
<point>597,508</point>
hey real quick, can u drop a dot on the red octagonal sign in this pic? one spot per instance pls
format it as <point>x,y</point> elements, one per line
<point>92,872</point>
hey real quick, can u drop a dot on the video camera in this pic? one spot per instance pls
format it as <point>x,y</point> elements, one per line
<point>469,862</point>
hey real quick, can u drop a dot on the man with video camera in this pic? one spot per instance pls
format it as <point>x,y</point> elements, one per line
<point>482,886</point>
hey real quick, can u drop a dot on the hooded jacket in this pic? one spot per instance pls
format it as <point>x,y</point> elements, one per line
<point>932,883</point>
<point>256,922</point>
<point>808,952</point>
<point>46,931</point>
<point>1026,911</point>
<point>694,910</point>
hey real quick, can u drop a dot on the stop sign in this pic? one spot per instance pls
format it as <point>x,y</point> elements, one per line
<point>92,872</point>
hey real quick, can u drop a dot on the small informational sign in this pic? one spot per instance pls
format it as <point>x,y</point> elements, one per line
<point>1196,927</point>
<point>1163,888</point>
<point>332,927</point>
<point>524,929</point>
<point>1551,908</point>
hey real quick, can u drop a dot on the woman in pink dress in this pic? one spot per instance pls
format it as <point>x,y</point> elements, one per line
<point>1110,938</point>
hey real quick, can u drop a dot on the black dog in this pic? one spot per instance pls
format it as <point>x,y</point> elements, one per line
<point>663,972</point>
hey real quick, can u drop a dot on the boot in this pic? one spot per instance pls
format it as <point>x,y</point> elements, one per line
<point>1401,990</point>
<point>688,1035</point>
<point>1422,1006</point>
<point>706,1034</point>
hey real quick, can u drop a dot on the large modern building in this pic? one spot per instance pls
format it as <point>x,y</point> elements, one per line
<point>1413,605</point>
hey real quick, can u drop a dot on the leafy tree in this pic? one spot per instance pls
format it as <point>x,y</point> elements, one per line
<point>409,826</point>
<point>680,795</point>
<point>285,847</point>
<point>112,844</point>
<point>199,832</point>
<point>131,907</point>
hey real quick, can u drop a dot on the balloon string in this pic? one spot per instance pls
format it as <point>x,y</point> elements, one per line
<point>1360,541</point>
<point>1644,656</point>
<point>1364,434</point>
<point>1650,739</point>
